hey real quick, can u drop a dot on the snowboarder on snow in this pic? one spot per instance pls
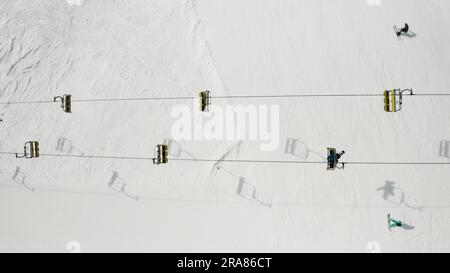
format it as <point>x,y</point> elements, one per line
<point>405,30</point>
<point>394,223</point>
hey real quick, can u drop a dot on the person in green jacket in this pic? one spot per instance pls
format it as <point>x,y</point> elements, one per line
<point>394,223</point>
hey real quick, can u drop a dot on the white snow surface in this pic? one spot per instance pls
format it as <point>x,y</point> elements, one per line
<point>161,48</point>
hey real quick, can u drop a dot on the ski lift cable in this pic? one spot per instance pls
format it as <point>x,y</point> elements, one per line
<point>219,97</point>
<point>26,102</point>
<point>102,100</point>
<point>239,160</point>
<point>308,162</point>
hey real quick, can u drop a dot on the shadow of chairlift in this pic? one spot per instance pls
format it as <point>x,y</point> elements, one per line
<point>19,178</point>
<point>393,99</point>
<point>30,150</point>
<point>389,190</point>
<point>176,149</point>
<point>66,146</point>
<point>245,189</point>
<point>248,191</point>
<point>66,102</point>
<point>444,149</point>
<point>118,185</point>
<point>296,148</point>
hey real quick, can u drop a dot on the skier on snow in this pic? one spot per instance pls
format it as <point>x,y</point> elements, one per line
<point>405,30</point>
<point>394,223</point>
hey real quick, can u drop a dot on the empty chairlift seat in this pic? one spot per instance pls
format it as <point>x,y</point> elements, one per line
<point>393,99</point>
<point>66,102</point>
<point>161,154</point>
<point>30,150</point>
<point>205,100</point>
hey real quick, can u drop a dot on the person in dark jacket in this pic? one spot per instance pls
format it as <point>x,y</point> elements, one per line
<point>405,30</point>
<point>335,157</point>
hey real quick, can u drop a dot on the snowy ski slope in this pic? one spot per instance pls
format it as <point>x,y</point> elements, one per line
<point>159,48</point>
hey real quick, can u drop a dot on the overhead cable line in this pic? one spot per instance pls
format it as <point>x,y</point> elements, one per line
<point>218,97</point>
<point>238,160</point>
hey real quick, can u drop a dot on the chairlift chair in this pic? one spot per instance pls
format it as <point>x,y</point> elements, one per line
<point>66,102</point>
<point>393,99</point>
<point>30,150</point>
<point>332,161</point>
<point>205,100</point>
<point>161,154</point>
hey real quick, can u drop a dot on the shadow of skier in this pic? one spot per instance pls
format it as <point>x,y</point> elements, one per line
<point>409,34</point>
